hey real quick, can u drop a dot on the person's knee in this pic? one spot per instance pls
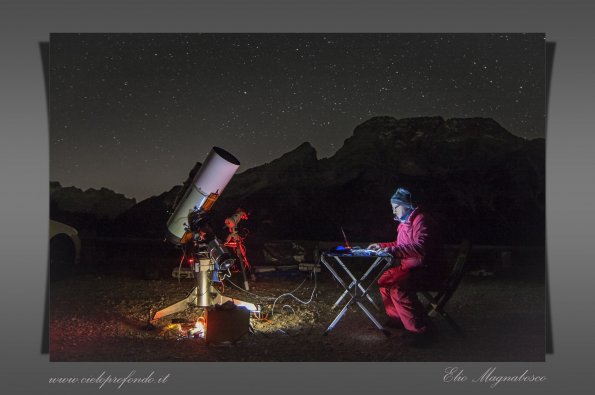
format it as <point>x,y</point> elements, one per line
<point>404,295</point>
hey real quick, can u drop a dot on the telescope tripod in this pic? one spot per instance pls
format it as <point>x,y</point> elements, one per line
<point>236,242</point>
<point>203,294</point>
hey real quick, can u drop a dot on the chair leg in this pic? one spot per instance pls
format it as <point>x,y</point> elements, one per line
<point>435,306</point>
<point>452,323</point>
<point>431,303</point>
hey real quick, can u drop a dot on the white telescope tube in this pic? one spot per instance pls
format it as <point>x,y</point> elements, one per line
<point>207,185</point>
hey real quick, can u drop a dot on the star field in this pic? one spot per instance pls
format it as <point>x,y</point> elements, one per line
<point>134,112</point>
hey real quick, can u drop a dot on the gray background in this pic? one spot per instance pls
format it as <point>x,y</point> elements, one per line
<point>25,176</point>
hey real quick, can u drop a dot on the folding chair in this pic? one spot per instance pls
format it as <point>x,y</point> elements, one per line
<point>437,298</point>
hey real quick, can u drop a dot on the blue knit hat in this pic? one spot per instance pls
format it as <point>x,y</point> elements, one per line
<point>402,197</point>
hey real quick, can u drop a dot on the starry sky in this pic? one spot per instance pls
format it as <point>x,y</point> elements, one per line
<point>135,112</point>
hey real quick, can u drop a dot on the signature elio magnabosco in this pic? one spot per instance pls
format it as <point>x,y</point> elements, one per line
<point>454,374</point>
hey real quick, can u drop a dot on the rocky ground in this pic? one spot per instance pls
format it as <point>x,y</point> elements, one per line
<point>103,317</point>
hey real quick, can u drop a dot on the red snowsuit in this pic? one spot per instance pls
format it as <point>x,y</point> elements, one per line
<point>419,247</point>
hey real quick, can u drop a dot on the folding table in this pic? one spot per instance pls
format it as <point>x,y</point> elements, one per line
<point>356,289</point>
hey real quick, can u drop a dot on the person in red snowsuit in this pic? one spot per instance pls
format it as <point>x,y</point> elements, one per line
<point>418,246</point>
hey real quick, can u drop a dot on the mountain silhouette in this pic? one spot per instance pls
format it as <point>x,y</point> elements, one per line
<point>478,180</point>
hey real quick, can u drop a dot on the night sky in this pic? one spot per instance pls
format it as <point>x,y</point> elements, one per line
<point>135,112</point>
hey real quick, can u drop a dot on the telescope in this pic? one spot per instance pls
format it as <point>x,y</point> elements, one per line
<point>200,196</point>
<point>189,227</point>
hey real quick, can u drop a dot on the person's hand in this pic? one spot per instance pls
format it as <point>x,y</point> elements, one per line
<point>374,246</point>
<point>387,251</point>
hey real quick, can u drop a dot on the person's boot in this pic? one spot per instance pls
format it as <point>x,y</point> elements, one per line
<point>394,324</point>
<point>417,340</point>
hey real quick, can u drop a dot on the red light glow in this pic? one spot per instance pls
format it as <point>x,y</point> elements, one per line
<point>199,328</point>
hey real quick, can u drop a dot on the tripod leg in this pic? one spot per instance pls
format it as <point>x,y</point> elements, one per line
<point>241,258</point>
<point>177,307</point>
<point>242,248</point>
